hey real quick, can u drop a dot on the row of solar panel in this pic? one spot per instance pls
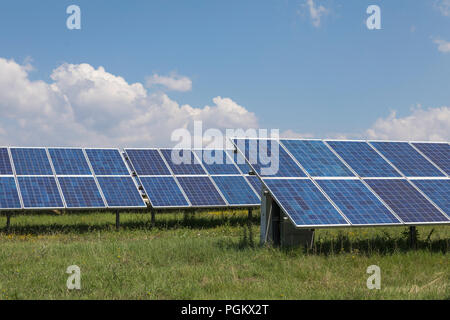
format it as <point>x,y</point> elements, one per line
<point>317,158</point>
<point>379,196</point>
<point>38,178</point>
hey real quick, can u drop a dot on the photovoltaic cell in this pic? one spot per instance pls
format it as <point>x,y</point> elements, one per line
<point>5,164</point>
<point>201,191</point>
<point>236,190</point>
<point>256,183</point>
<point>40,192</point>
<point>81,192</point>
<point>9,198</point>
<point>182,162</point>
<point>304,202</point>
<point>406,159</point>
<point>69,162</point>
<point>31,161</point>
<point>439,153</point>
<point>163,192</point>
<point>239,160</point>
<point>316,158</point>
<point>216,162</point>
<point>107,162</point>
<point>120,192</point>
<point>363,159</point>
<point>406,201</point>
<point>147,162</point>
<point>268,158</point>
<point>357,202</point>
<point>438,191</point>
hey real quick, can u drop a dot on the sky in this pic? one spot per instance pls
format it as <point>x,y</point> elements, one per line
<point>137,71</point>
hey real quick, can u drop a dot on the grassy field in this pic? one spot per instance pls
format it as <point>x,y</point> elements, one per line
<point>212,255</point>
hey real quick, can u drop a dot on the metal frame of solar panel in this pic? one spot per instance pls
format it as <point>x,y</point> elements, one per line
<point>317,180</point>
<point>148,177</point>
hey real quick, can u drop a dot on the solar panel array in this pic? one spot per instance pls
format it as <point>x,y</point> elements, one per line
<point>66,178</point>
<point>182,178</point>
<point>323,183</point>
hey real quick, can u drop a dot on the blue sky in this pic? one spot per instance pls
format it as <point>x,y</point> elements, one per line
<point>320,78</point>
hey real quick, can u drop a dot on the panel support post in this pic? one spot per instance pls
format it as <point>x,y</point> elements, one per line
<point>250,216</point>
<point>152,212</point>
<point>8,222</point>
<point>117,220</point>
<point>413,237</point>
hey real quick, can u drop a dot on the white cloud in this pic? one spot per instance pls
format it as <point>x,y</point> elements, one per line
<point>443,46</point>
<point>173,82</point>
<point>316,12</point>
<point>85,106</point>
<point>429,124</point>
<point>444,7</point>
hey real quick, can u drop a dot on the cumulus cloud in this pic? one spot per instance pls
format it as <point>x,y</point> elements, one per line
<point>87,106</point>
<point>421,124</point>
<point>443,46</point>
<point>316,12</point>
<point>172,82</point>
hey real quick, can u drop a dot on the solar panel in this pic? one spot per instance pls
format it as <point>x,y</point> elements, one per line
<point>107,162</point>
<point>40,193</point>
<point>239,160</point>
<point>236,190</point>
<point>406,159</point>
<point>201,191</point>
<point>147,162</point>
<point>9,197</point>
<point>256,183</point>
<point>363,159</point>
<point>31,161</point>
<point>438,191</point>
<point>182,162</point>
<point>439,153</point>
<point>5,164</point>
<point>406,201</point>
<point>69,161</point>
<point>316,158</point>
<point>81,192</point>
<point>217,162</point>
<point>163,192</point>
<point>304,203</point>
<point>120,192</point>
<point>357,202</point>
<point>268,158</point>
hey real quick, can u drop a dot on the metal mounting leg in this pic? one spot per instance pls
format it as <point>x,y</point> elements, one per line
<point>152,212</point>
<point>117,220</point>
<point>8,222</point>
<point>413,237</point>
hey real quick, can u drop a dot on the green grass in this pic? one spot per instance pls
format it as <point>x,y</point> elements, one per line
<point>212,256</point>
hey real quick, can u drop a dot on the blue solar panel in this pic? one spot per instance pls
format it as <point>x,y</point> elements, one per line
<point>182,162</point>
<point>81,192</point>
<point>236,190</point>
<point>316,158</point>
<point>217,162</point>
<point>256,183</point>
<point>31,161</point>
<point>5,164</point>
<point>239,160</point>
<point>406,201</point>
<point>120,192</point>
<point>107,162</point>
<point>163,192</point>
<point>201,191</point>
<point>147,162</point>
<point>438,191</point>
<point>363,159</point>
<point>439,153</point>
<point>406,159</point>
<point>268,158</point>
<point>40,192</point>
<point>357,202</point>
<point>304,202</point>
<point>69,162</point>
<point>9,198</point>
